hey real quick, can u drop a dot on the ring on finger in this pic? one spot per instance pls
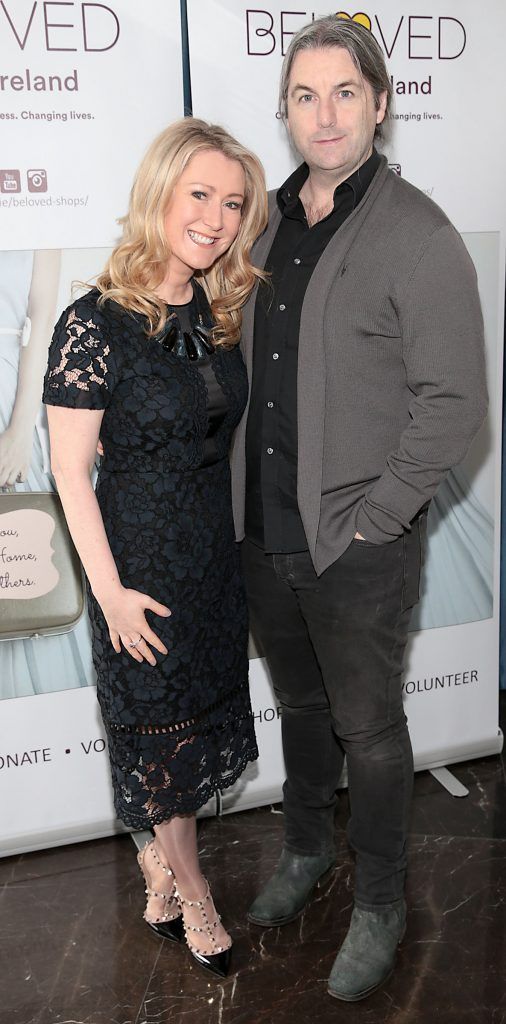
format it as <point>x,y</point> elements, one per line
<point>136,642</point>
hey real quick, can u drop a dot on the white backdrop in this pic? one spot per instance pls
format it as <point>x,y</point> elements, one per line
<point>54,776</point>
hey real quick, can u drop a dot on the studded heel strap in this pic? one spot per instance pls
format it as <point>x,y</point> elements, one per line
<point>170,906</point>
<point>210,921</point>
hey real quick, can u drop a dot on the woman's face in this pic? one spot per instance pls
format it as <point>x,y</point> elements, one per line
<point>204,211</point>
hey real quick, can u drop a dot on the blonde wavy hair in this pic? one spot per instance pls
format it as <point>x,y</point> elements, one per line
<point>138,263</point>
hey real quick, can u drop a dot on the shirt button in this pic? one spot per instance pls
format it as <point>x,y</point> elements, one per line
<point>275,355</point>
<point>270,451</point>
<point>270,405</point>
<point>282,306</point>
<point>296,260</point>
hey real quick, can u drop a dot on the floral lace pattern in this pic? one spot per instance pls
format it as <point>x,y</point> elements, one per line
<point>179,731</point>
<point>83,361</point>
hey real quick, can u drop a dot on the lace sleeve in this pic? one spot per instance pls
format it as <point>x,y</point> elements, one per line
<point>80,372</point>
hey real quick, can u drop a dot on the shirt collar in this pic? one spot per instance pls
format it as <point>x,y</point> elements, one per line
<point>358,182</point>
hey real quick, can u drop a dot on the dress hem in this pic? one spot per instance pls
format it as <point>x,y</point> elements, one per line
<point>147,822</point>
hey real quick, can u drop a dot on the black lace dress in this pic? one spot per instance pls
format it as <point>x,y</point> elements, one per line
<point>182,730</point>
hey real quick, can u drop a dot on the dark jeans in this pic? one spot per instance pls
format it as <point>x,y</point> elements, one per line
<point>334,645</point>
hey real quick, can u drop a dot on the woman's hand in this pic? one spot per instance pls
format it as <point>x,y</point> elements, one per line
<point>15,455</point>
<point>124,612</point>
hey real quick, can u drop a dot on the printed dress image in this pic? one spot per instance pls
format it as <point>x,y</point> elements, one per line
<point>458,575</point>
<point>28,295</point>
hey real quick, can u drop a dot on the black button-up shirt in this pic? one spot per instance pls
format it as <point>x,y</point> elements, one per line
<point>272,515</point>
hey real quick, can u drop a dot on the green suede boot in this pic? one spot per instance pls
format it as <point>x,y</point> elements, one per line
<point>367,956</point>
<point>288,890</point>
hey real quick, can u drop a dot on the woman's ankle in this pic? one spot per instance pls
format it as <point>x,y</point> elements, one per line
<point>194,887</point>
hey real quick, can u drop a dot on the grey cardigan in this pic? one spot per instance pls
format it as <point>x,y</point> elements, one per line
<point>391,373</point>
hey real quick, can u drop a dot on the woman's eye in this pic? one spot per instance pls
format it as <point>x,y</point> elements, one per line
<point>233,205</point>
<point>199,195</point>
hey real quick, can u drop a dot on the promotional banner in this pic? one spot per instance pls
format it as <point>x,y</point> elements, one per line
<point>443,137</point>
<point>84,87</point>
<point>446,137</point>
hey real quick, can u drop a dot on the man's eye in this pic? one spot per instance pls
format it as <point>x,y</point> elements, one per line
<point>346,94</point>
<point>306,98</point>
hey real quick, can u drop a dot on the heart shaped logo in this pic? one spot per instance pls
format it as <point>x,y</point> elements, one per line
<point>360,17</point>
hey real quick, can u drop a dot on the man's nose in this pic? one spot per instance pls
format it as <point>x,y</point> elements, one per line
<point>326,114</point>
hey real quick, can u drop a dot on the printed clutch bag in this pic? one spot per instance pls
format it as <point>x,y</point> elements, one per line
<point>41,578</point>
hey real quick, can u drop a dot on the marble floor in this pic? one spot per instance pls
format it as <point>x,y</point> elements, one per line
<point>74,950</point>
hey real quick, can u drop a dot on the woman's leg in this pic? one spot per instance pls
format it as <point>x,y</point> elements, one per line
<point>176,842</point>
<point>176,846</point>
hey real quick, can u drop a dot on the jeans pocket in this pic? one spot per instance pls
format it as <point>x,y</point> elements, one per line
<point>361,542</point>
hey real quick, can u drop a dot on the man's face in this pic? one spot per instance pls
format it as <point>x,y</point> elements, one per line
<point>332,112</point>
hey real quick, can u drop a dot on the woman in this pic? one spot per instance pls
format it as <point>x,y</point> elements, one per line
<point>144,363</point>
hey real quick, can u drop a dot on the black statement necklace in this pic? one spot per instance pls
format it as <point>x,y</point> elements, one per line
<point>194,344</point>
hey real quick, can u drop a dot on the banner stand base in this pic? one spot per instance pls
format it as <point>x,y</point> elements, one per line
<point>449,782</point>
<point>141,838</point>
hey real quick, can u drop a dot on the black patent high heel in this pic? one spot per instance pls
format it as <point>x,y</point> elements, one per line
<point>217,958</point>
<point>169,924</point>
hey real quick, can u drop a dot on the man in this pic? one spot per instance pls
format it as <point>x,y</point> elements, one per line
<point>365,355</point>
